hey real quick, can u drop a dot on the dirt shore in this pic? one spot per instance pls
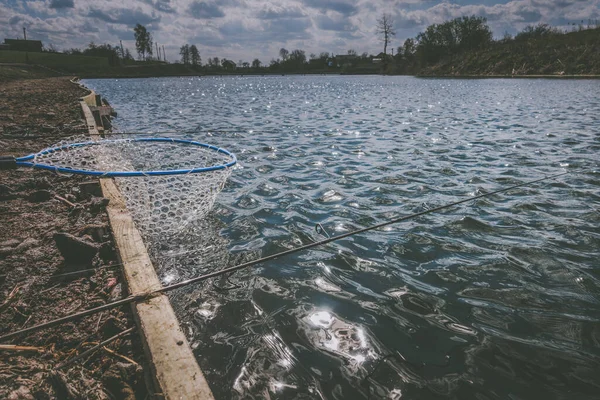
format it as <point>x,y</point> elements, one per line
<point>53,225</point>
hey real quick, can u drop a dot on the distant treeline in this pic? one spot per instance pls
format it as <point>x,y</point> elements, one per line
<point>116,55</point>
<point>464,46</point>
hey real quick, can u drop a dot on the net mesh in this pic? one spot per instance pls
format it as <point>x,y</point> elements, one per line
<point>161,205</point>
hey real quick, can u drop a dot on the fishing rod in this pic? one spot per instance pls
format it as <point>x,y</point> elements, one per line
<point>165,289</point>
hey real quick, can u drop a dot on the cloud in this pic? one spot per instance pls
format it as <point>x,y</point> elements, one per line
<point>289,28</point>
<point>343,7</point>
<point>123,16</point>
<point>62,4</point>
<point>205,10</point>
<point>161,5</point>
<point>342,26</point>
<point>276,13</point>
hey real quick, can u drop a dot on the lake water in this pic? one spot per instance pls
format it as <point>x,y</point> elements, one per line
<point>495,299</point>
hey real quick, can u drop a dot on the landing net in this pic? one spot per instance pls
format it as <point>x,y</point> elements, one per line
<point>167,183</point>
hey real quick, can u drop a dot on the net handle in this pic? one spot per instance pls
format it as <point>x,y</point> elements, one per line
<point>26,161</point>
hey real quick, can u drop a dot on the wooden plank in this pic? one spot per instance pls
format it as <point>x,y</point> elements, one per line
<point>89,119</point>
<point>175,370</point>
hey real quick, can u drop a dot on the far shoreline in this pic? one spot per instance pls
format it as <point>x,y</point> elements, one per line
<point>536,76</point>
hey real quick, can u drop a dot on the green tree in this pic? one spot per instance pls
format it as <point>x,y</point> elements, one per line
<point>194,55</point>
<point>284,53</point>
<point>256,63</point>
<point>297,57</point>
<point>446,39</point>
<point>184,51</point>
<point>103,50</point>
<point>143,41</point>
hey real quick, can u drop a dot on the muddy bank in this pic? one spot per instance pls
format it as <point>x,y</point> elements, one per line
<point>52,225</point>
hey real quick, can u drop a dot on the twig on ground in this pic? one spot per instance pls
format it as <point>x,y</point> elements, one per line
<point>129,360</point>
<point>67,202</point>
<point>13,293</point>
<point>50,288</point>
<point>93,349</point>
<point>13,347</point>
<point>26,321</point>
<point>98,323</point>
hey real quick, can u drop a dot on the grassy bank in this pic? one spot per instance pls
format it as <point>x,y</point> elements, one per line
<point>555,54</point>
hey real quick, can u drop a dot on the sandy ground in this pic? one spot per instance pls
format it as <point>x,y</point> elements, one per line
<point>35,220</point>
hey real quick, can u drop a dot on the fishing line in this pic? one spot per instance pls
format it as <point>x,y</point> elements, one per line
<point>165,289</point>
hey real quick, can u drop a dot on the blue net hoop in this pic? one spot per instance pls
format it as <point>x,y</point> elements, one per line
<point>31,160</point>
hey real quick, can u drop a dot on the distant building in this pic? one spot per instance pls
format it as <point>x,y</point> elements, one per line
<point>345,60</point>
<point>34,46</point>
<point>228,64</point>
<point>377,60</point>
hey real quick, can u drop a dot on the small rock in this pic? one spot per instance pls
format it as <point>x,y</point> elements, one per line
<point>43,183</point>
<point>110,328</point>
<point>91,188</point>
<point>75,250</point>
<point>50,115</point>
<point>179,342</point>
<point>128,370</point>
<point>97,232</point>
<point>40,196</point>
<point>114,382</point>
<point>98,204</point>
<point>22,393</point>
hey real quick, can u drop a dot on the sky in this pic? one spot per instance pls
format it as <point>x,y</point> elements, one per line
<point>249,29</point>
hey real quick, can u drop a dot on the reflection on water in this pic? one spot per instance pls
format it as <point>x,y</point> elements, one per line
<point>496,299</point>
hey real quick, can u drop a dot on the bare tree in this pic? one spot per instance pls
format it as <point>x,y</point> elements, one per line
<point>385,27</point>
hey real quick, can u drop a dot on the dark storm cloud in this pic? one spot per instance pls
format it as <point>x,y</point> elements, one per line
<point>343,7</point>
<point>123,16</point>
<point>62,4</point>
<point>205,10</point>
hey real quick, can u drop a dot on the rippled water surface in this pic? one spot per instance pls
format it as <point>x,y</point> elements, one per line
<point>494,299</point>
